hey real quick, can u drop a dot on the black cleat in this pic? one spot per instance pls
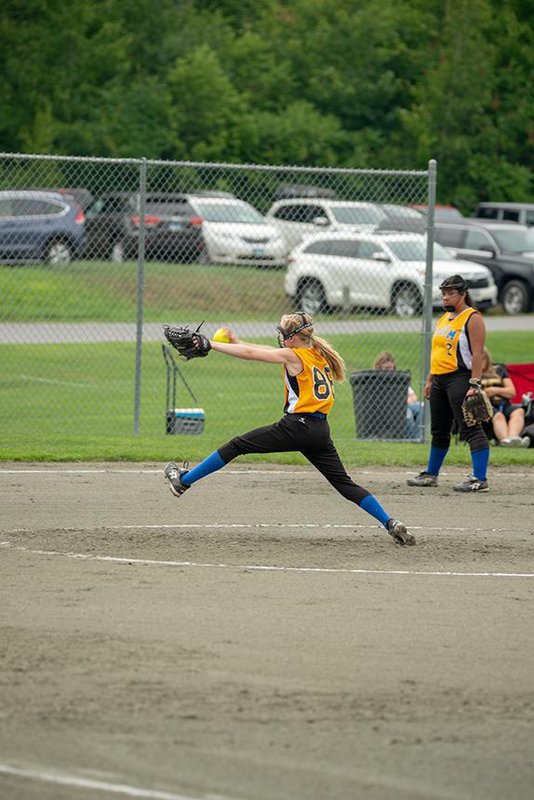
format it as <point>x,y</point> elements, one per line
<point>423,479</point>
<point>472,484</point>
<point>399,532</point>
<point>173,473</point>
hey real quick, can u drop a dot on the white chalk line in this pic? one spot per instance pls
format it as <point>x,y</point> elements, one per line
<point>268,567</point>
<point>226,472</point>
<point>276,526</point>
<point>142,471</point>
<point>87,783</point>
<point>33,378</point>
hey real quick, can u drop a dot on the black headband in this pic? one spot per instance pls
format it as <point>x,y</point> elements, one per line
<point>289,334</point>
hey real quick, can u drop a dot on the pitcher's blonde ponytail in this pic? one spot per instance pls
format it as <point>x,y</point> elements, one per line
<point>335,361</point>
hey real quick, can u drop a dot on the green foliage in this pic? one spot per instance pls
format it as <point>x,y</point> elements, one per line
<point>375,83</point>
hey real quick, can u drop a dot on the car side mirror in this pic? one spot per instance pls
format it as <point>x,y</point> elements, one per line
<point>488,251</point>
<point>381,256</point>
<point>321,221</point>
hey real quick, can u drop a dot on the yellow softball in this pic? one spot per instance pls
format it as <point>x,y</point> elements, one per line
<point>221,335</point>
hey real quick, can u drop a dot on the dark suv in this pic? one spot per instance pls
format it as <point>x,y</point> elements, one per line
<point>507,249</point>
<point>40,226</point>
<point>172,230</point>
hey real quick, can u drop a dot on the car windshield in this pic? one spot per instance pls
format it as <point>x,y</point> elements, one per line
<point>514,241</point>
<point>415,250</point>
<point>401,211</point>
<point>229,212</point>
<point>358,215</point>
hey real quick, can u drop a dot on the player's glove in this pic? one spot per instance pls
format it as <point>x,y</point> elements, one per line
<point>188,343</point>
<point>476,406</point>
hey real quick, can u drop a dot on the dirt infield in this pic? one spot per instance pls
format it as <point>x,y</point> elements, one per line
<point>261,639</point>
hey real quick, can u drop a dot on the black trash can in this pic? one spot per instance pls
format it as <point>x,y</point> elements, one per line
<point>380,403</point>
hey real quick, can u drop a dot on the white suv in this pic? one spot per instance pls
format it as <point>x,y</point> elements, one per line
<point>376,270</point>
<point>301,217</point>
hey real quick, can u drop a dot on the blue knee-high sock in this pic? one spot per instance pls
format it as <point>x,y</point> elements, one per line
<point>212,463</point>
<point>436,459</point>
<point>480,459</point>
<point>373,507</point>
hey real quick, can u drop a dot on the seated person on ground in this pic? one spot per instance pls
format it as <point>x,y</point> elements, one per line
<point>508,419</point>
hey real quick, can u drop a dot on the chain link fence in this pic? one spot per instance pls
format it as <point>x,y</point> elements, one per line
<point>96,254</point>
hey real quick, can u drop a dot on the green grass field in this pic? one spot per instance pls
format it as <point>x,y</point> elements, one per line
<point>85,412</point>
<point>107,292</point>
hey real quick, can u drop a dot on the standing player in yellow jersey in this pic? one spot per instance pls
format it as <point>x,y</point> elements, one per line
<point>455,369</point>
<point>310,366</point>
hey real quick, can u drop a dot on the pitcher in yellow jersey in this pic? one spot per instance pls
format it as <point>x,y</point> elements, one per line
<point>310,367</point>
<point>455,370</point>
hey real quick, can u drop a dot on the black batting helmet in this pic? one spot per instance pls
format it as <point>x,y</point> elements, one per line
<point>455,282</point>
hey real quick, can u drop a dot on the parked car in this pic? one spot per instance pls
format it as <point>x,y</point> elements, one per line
<point>290,190</point>
<point>401,218</point>
<point>375,270</point>
<point>113,223</point>
<point>507,249</point>
<point>447,213</point>
<point>396,211</point>
<point>234,232</point>
<point>40,226</point>
<point>506,212</point>
<point>83,197</point>
<point>206,226</point>
<point>300,217</point>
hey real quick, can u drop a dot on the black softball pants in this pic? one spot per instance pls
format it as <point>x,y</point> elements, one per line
<point>298,433</point>
<point>446,397</point>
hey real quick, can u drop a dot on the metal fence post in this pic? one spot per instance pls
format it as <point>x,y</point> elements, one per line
<point>427,307</point>
<point>140,287</point>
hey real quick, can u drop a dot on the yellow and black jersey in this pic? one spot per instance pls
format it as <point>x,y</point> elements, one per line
<point>312,390</point>
<point>451,349</point>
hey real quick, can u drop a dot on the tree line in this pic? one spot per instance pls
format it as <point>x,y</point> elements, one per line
<point>340,83</point>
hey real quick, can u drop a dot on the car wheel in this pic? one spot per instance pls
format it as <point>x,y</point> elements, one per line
<point>58,252</point>
<point>117,252</point>
<point>203,256</point>
<point>514,297</point>
<point>311,298</point>
<point>407,301</point>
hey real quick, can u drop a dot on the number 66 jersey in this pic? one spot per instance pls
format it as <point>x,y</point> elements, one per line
<point>451,350</point>
<point>312,389</point>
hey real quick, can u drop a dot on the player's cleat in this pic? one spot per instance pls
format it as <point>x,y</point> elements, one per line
<point>472,484</point>
<point>173,473</point>
<point>399,532</point>
<point>423,479</point>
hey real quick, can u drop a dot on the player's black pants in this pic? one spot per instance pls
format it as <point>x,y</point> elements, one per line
<point>446,397</point>
<point>298,433</point>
